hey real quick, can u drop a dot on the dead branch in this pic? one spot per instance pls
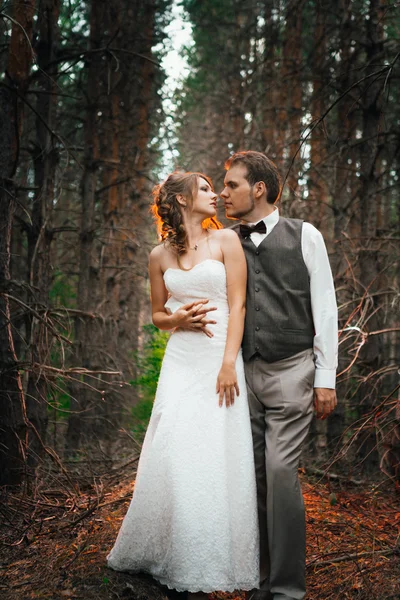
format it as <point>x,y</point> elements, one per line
<point>328,475</point>
<point>356,555</point>
<point>38,316</point>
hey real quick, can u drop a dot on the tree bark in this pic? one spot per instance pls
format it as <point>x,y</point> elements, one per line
<point>268,107</point>
<point>317,184</point>
<point>343,182</point>
<point>290,101</point>
<point>12,402</point>
<point>371,354</point>
<point>115,188</point>
<point>45,159</point>
<point>82,397</point>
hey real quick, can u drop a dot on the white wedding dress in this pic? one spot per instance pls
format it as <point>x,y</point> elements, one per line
<point>192,522</point>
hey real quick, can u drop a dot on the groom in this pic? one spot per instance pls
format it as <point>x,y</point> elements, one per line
<point>290,355</point>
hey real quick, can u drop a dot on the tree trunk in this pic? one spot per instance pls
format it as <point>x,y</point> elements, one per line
<point>113,265</point>
<point>372,116</point>
<point>12,409</point>
<point>45,160</point>
<point>317,184</point>
<point>82,396</point>
<point>343,182</point>
<point>125,202</point>
<point>267,106</point>
<point>290,101</point>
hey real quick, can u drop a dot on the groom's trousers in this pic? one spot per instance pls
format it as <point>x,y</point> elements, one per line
<point>280,398</point>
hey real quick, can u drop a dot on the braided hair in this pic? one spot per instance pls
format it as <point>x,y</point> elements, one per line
<point>168,212</point>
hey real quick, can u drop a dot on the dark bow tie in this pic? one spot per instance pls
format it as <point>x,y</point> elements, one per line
<point>246,230</point>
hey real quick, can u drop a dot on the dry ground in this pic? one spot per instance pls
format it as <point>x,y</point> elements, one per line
<point>53,542</point>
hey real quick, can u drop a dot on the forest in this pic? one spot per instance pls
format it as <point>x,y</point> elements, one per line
<point>88,125</point>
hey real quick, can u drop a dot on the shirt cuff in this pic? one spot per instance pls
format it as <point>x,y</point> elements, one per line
<point>325,378</point>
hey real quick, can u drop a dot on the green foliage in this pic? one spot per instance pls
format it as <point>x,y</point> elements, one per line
<point>74,22</point>
<point>149,363</point>
<point>63,290</point>
<point>59,399</point>
<point>62,294</point>
<point>149,366</point>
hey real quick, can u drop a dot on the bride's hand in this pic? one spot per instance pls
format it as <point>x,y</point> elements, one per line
<point>193,317</point>
<point>227,384</point>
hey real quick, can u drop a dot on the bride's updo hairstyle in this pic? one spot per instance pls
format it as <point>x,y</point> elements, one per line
<point>168,211</point>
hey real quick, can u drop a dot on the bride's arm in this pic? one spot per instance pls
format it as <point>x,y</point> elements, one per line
<point>186,316</point>
<point>236,273</point>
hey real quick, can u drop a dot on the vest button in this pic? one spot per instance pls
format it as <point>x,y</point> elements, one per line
<point>257,271</point>
<point>257,308</point>
<point>257,289</point>
<point>257,348</point>
<point>257,329</point>
<point>257,252</point>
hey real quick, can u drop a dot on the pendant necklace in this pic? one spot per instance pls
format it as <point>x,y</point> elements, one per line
<point>191,248</point>
<point>197,243</point>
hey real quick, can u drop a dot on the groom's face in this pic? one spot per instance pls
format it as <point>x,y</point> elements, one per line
<point>237,194</point>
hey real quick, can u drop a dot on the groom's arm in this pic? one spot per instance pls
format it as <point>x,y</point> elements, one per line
<point>325,317</point>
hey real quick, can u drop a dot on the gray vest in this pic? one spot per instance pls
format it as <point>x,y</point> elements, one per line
<point>279,321</point>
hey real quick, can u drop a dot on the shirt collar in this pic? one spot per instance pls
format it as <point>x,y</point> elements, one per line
<point>270,220</point>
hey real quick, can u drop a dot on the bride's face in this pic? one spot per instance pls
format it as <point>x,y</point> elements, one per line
<point>205,201</point>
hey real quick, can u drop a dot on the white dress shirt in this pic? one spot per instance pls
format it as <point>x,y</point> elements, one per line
<point>323,299</point>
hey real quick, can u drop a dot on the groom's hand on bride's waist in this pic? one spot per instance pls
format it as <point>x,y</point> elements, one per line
<point>194,317</point>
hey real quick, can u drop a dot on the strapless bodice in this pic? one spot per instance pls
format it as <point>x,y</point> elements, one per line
<point>207,279</point>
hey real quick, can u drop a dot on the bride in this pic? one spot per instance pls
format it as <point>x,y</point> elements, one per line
<point>192,521</point>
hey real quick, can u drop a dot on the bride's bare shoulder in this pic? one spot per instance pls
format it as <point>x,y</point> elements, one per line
<point>223,234</point>
<point>160,253</point>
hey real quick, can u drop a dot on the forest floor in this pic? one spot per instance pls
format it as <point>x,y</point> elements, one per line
<point>54,541</point>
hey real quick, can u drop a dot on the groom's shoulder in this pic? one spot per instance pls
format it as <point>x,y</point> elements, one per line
<point>306,229</point>
<point>291,223</point>
<point>290,220</point>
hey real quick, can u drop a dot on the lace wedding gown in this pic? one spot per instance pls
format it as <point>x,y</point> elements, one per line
<point>192,522</point>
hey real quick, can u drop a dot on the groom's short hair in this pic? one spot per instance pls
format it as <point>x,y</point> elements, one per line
<point>259,168</point>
